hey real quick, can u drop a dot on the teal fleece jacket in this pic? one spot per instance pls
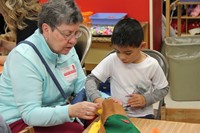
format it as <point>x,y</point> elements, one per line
<point>26,89</point>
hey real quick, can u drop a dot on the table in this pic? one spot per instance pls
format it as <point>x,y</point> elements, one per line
<point>147,125</point>
<point>101,46</point>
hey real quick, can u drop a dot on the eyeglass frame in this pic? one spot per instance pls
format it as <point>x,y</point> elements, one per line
<point>77,34</point>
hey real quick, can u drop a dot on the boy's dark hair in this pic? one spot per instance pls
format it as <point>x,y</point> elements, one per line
<point>127,32</point>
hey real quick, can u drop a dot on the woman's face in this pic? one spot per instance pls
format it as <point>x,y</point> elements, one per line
<point>62,38</point>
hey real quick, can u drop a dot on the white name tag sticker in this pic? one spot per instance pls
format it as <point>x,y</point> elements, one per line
<point>69,72</point>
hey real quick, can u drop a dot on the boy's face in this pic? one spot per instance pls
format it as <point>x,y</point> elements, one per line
<point>128,54</point>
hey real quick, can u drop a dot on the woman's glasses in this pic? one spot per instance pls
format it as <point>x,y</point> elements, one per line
<point>69,35</point>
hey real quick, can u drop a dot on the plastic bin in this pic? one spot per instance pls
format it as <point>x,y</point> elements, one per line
<point>183,55</point>
<point>106,18</point>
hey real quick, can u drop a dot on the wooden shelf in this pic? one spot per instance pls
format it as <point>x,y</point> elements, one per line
<point>179,17</point>
<point>187,3</point>
<point>187,17</point>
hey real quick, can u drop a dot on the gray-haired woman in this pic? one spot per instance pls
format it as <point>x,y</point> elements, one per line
<point>28,95</point>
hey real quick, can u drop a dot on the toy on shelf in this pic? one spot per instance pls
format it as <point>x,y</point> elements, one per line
<point>102,30</point>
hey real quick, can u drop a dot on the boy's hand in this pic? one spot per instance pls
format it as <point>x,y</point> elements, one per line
<point>116,100</point>
<point>99,101</point>
<point>136,100</point>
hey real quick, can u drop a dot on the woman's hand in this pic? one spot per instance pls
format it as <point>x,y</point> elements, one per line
<point>84,110</point>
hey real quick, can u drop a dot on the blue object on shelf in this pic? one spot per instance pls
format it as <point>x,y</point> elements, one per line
<point>106,18</point>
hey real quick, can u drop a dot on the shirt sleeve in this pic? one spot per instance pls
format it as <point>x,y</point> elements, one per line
<point>104,69</point>
<point>99,74</point>
<point>92,87</point>
<point>160,86</point>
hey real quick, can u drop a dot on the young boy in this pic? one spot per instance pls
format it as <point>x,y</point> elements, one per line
<point>136,79</point>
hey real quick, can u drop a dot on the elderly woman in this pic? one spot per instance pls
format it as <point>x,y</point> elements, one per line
<point>28,95</point>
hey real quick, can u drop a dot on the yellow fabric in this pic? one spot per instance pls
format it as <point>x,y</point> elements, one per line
<point>99,111</point>
<point>95,127</point>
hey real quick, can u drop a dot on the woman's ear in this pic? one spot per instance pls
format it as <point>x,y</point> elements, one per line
<point>45,29</point>
<point>143,45</point>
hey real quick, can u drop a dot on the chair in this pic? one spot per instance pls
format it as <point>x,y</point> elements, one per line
<point>162,62</point>
<point>164,65</point>
<point>83,44</point>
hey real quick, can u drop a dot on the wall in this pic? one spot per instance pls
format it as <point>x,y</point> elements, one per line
<point>138,9</point>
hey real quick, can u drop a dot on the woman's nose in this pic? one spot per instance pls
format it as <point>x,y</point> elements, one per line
<point>73,40</point>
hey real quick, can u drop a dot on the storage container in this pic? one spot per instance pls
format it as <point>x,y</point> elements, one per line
<point>183,55</point>
<point>106,18</point>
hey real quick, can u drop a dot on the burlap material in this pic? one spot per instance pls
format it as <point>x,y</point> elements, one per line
<point>110,107</point>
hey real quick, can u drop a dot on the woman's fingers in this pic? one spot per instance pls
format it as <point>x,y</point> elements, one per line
<point>84,110</point>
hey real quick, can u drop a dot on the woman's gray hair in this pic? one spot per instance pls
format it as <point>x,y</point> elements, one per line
<point>57,12</point>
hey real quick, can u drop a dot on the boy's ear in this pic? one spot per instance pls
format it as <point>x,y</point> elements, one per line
<point>143,45</point>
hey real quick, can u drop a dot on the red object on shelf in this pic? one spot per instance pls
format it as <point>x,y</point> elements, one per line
<point>86,16</point>
<point>192,25</point>
<point>183,25</point>
<point>42,1</point>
